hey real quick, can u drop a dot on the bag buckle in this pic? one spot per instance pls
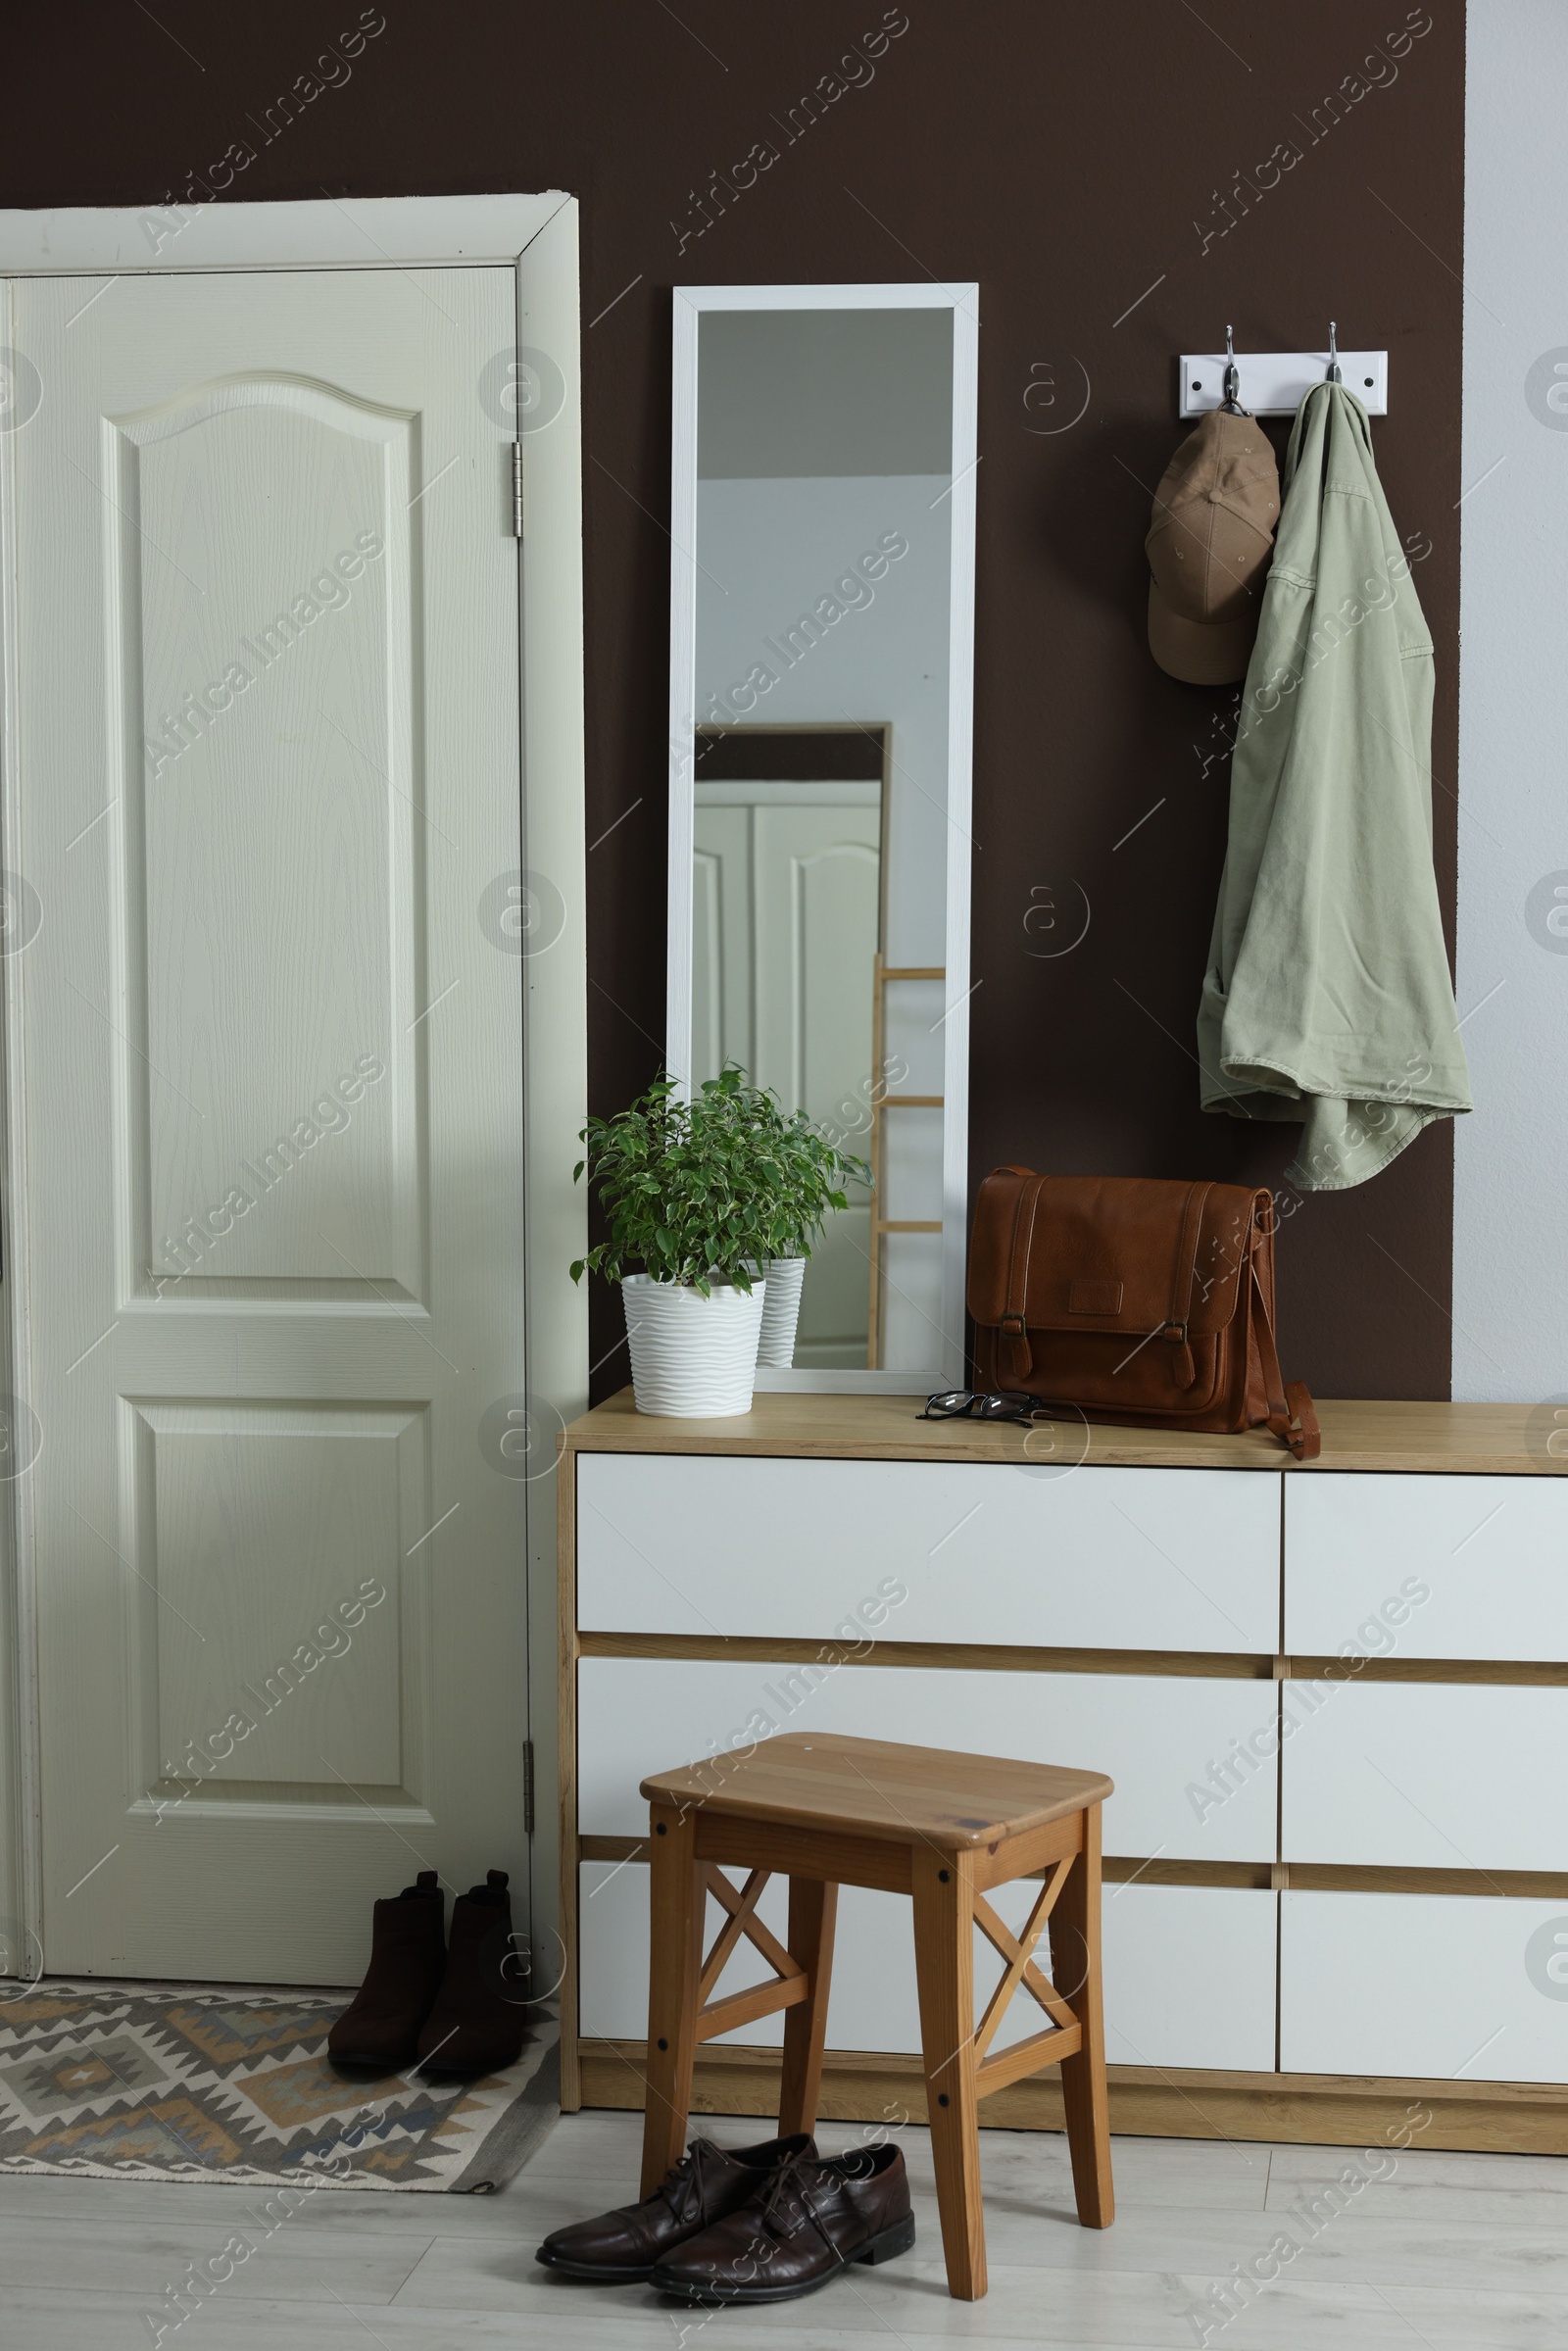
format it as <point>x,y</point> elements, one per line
<point>1174,1333</point>
<point>1013,1325</point>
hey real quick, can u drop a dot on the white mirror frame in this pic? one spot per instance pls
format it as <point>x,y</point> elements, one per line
<point>948,1347</point>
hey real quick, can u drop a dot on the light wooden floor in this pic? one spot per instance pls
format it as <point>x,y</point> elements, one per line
<point>1447,2250</point>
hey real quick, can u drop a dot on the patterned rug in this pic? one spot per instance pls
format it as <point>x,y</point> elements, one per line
<point>145,2082</point>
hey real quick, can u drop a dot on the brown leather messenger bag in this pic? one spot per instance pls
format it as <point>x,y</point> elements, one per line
<point>1134,1301</point>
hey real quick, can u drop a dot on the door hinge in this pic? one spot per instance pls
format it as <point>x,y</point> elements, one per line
<point>527,1787</point>
<point>516,489</point>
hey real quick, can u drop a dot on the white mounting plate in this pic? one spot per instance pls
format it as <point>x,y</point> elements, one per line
<point>1273,382</point>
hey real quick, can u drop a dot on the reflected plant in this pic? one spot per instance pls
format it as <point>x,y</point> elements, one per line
<point>708,1189</point>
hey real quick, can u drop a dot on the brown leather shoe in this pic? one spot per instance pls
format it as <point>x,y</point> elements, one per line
<point>477,2023</point>
<point>408,1953</point>
<point>707,2184</point>
<point>812,2220</point>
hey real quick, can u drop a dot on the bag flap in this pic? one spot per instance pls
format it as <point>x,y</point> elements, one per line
<point>1117,1253</point>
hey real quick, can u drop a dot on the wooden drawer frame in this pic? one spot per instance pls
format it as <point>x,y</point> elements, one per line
<point>1320,2109</point>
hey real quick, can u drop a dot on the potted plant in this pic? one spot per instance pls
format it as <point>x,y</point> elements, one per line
<point>704,1196</point>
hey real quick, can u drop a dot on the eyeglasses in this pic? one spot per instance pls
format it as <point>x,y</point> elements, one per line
<point>978,1404</point>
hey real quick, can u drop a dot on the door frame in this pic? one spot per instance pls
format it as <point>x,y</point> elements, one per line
<point>536,236</point>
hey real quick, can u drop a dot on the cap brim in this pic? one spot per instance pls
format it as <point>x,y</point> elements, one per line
<point>1200,653</point>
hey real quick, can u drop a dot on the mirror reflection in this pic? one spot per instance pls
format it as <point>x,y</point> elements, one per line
<point>820,832</point>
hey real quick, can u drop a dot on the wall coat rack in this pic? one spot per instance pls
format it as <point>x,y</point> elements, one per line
<point>1272,383</point>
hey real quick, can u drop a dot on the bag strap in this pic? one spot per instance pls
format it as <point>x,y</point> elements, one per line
<point>1291,1414</point>
<point>1015,1354</point>
<point>1174,1332</point>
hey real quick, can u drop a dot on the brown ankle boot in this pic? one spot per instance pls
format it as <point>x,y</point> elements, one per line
<point>408,1953</point>
<point>477,2024</point>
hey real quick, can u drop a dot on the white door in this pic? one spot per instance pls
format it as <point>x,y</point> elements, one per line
<point>270,1099</point>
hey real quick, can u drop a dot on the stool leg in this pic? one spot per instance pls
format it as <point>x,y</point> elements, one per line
<point>677,1904</point>
<point>1075,1961</point>
<point>943,1888</point>
<point>813,1908</point>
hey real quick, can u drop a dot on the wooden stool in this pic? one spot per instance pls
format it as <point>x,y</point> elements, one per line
<point>942,1827</point>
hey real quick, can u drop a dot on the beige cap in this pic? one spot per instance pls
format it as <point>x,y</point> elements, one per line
<point>1208,548</point>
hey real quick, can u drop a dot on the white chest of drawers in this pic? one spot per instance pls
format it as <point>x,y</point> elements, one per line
<point>1334,1700</point>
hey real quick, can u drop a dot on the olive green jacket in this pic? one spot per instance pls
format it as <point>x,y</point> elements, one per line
<point>1327,998</point>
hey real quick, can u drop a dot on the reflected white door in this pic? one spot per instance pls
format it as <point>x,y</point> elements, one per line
<point>816,891</point>
<point>787,899</point>
<point>270,1088</point>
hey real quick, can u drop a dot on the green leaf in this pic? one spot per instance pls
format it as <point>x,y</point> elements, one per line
<point>696,1191</point>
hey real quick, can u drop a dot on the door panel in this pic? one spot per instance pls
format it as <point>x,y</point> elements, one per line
<point>280,1532</point>
<point>816,892</point>
<point>286,602</point>
<point>271,1074</point>
<point>721,940</point>
<point>816,887</point>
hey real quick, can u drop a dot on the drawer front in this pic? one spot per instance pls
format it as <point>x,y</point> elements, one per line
<point>1440,1985</point>
<point>1189,1976</point>
<point>1166,2001</point>
<point>1426,1774</point>
<point>1426,1567</point>
<point>1097,1558</point>
<point>1158,1739</point>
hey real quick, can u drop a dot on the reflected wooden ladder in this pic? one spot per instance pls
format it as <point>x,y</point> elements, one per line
<point>883,974</point>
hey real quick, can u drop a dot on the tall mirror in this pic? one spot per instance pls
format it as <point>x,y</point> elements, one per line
<point>822,540</point>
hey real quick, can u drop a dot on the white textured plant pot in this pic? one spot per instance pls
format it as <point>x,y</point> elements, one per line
<point>692,1355</point>
<point>781,1311</point>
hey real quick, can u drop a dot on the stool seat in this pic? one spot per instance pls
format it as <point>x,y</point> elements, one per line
<point>825,1811</point>
<point>873,1787</point>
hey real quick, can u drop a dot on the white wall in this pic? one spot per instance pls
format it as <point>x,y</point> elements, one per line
<point>1510,1236</point>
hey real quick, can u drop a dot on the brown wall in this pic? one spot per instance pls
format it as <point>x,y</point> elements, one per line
<point>1068,158</point>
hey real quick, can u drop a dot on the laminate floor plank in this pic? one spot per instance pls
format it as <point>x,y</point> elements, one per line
<point>598,2148</point>
<point>1013,2314</point>
<point>1126,2309</point>
<point>1421,2167</point>
<point>375,2212</point>
<point>1517,2190</point>
<point>1460,2252</point>
<point>66,2321</point>
<point>289,2263</point>
<point>1404,2197</point>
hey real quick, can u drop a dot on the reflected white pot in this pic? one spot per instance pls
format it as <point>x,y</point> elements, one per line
<point>781,1311</point>
<point>692,1355</point>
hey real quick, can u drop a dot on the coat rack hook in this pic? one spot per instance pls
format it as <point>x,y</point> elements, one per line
<point>1334,377</point>
<point>1233,383</point>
